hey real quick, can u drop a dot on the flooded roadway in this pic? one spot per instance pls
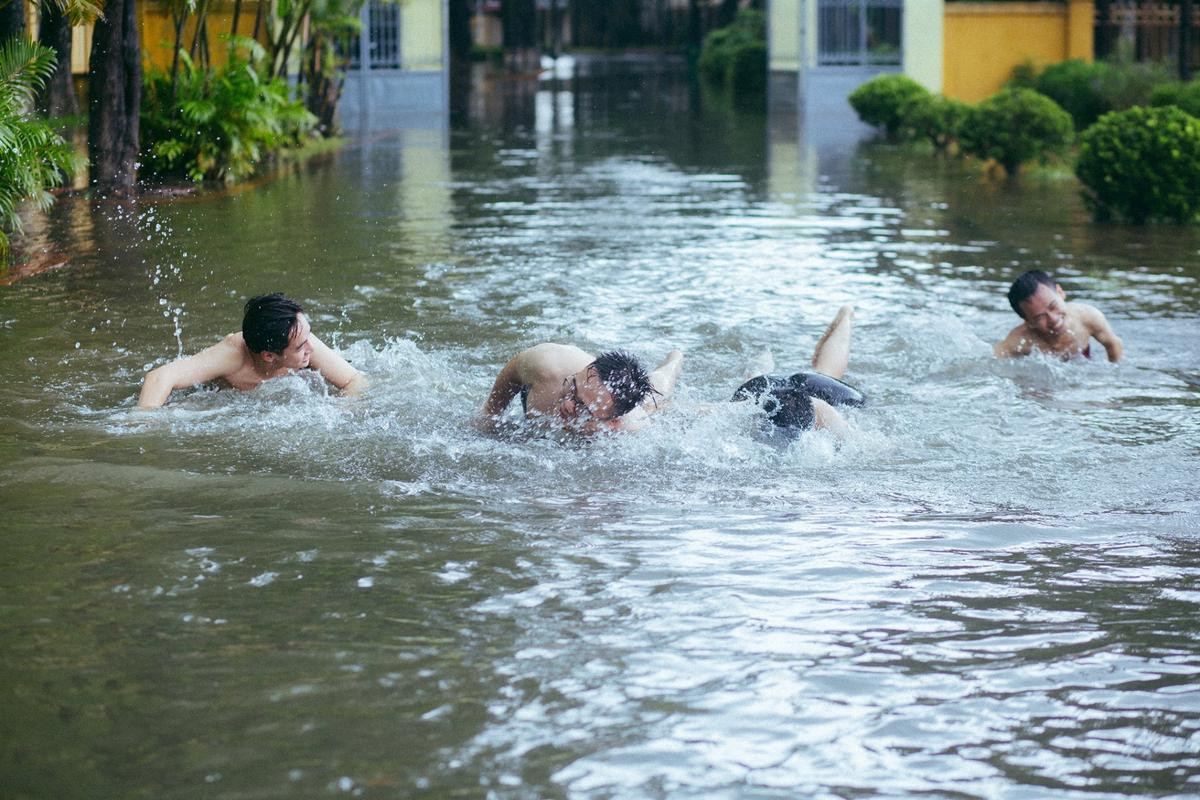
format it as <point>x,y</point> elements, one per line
<point>989,590</point>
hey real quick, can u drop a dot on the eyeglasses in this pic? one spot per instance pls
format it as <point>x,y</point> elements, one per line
<point>582,409</point>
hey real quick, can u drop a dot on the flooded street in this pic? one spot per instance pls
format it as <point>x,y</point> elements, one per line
<point>991,589</point>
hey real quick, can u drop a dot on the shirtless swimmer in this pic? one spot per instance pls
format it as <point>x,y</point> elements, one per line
<point>1052,325</point>
<point>567,386</point>
<point>276,339</point>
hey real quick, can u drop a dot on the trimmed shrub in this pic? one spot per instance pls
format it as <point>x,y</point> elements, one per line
<point>879,101</point>
<point>747,74</point>
<point>1076,86</point>
<point>934,117</point>
<point>1016,126</point>
<point>717,54</point>
<point>1142,164</point>
<point>1024,76</point>
<point>1185,96</point>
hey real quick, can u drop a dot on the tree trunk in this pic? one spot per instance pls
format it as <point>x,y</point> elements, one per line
<point>460,30</point>
<point>519,20</point>
<point>12,19</point>
<point>115,95</point>
<point>58,98</point>
<point>1185,40</point>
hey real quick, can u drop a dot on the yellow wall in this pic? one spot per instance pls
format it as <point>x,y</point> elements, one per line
<point>158,31</point>
<point>421,29</point>
<point>984,41</point>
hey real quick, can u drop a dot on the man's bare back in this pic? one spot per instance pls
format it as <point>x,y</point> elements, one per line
<point>567,386</point>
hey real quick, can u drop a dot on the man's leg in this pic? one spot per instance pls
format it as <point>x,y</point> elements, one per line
<point>833,351</point>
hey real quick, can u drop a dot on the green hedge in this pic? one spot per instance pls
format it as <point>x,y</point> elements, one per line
<point>1185,96</point>
<point>881,101</point>
<point>734,58</point>
<point>1142,164</point>
<point>935,118</point>
<point>1089,90</point>
<point>1016,126</point>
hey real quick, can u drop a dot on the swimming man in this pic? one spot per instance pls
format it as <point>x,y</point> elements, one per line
<point>588,394</point>
<point>1052,325</point>
<point>808,399</point>
<point>276,339</point>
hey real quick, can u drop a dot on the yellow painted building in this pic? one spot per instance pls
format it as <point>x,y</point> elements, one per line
<point>966,50</point>
<point>984,42</point>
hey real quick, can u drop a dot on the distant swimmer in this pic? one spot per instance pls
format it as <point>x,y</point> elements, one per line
<point>276,340</point>
<point>564,385</point>
<point>1052,325</point>
<point>808,399</point>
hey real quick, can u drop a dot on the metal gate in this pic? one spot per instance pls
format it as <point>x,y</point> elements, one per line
<point>859,32</point>
<point>378,47</point>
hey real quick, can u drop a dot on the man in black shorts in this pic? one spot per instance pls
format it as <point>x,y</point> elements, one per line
<point>808,399</point>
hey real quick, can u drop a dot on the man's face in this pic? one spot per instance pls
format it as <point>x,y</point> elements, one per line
<point>1046,310</point>
<point>586,402</point>
<point>299,347</point>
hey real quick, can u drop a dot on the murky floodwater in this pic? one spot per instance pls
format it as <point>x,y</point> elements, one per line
<point>991,590</point>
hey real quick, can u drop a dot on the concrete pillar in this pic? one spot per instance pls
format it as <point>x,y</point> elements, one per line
<point>923,42</point>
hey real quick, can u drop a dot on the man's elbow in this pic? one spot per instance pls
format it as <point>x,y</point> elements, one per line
<point>355,385</point>
<point>155,389</point>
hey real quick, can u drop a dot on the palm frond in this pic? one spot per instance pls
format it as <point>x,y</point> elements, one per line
<point>79,12</point>
<point>25,66</point>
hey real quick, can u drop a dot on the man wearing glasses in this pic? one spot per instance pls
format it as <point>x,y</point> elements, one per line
<point>564,385</point>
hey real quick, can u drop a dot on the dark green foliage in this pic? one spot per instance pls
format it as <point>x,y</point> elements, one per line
<point>219,124</point>
<point>935,118</point>
<point>747,75</point>
<point>732,57</point>
<point>1016,126</point>
<point>1125,83</point>
<point>1142,164</point>
<point>1076,86</point>
<point>1181,95</point>
<point>1088,91</point>
<point>34,157</point>
<point>880,101</point>
<point>1024,76</point>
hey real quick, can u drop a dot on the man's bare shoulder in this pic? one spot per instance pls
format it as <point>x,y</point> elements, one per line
<point>1086,312</point>
<point>231,358</point>
<point>550,359</point>
<point>1018,342</point>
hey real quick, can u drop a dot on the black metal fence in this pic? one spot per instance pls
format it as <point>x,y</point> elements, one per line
<point>1149,31</point>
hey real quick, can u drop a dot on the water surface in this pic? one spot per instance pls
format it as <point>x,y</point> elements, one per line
<point>990,590</point>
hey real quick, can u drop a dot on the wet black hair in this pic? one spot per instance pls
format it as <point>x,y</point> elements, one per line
<point>269,321</point>
<point>1025,287</point>
<point>625,378</point>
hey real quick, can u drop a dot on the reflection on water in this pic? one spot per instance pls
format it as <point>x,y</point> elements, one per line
<point>989,590</point>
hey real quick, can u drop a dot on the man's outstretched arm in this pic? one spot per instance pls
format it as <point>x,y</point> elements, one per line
<point>508,383</point>
<point>1013,345</point>
<point>1099,328</point>
<point>209,364</point>
<point>664,377</point>
<point>335,369</point>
